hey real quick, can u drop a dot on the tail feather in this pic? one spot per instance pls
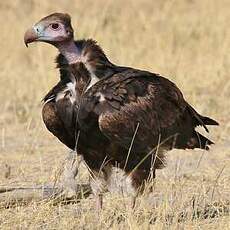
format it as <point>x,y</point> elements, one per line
<point>198,141</point>
<point>208,121</point>
<point>201,120</point>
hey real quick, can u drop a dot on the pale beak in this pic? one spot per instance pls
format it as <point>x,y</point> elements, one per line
<point>31,35</point>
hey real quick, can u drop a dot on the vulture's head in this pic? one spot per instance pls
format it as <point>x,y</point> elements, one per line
<point>54,29</point>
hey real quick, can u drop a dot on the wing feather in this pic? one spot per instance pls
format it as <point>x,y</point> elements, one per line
<point>138,98</point>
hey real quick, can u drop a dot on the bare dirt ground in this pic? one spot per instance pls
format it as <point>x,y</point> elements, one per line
<point>188,41</point>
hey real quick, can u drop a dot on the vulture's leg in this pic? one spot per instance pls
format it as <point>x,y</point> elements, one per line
<point>70,170</point>
<point>98,186</point>
<point>143,182</point>
<point>150,184</point>
<point>99,202</point>
<point>132,202</point>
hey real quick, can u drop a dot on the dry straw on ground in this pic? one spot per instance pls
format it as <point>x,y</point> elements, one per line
<point>187,41</point>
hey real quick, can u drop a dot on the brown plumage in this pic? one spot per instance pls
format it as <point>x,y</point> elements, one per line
<point>117,117</point>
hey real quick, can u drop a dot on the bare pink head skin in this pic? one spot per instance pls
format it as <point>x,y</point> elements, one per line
<point>55,29</point>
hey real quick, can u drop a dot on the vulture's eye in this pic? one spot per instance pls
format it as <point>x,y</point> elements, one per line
<point>55,26</point>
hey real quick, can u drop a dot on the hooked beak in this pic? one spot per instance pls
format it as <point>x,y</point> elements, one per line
<point>30,36</point>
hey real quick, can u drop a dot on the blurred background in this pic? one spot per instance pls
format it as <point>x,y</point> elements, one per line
<point>188,41</point>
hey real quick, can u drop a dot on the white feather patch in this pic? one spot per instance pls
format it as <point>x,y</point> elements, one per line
<point>116,181</point>
<point>119,182</point>
<point>69,90</point>
<point>101,97</point>
<point>94,78</point>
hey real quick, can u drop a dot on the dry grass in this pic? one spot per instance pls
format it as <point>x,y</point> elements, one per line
<point>188,41</point>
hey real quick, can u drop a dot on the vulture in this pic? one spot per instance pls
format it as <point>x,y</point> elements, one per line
<point>121,120</point>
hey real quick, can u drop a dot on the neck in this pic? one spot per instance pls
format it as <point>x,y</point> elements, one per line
<point>70,51</point>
